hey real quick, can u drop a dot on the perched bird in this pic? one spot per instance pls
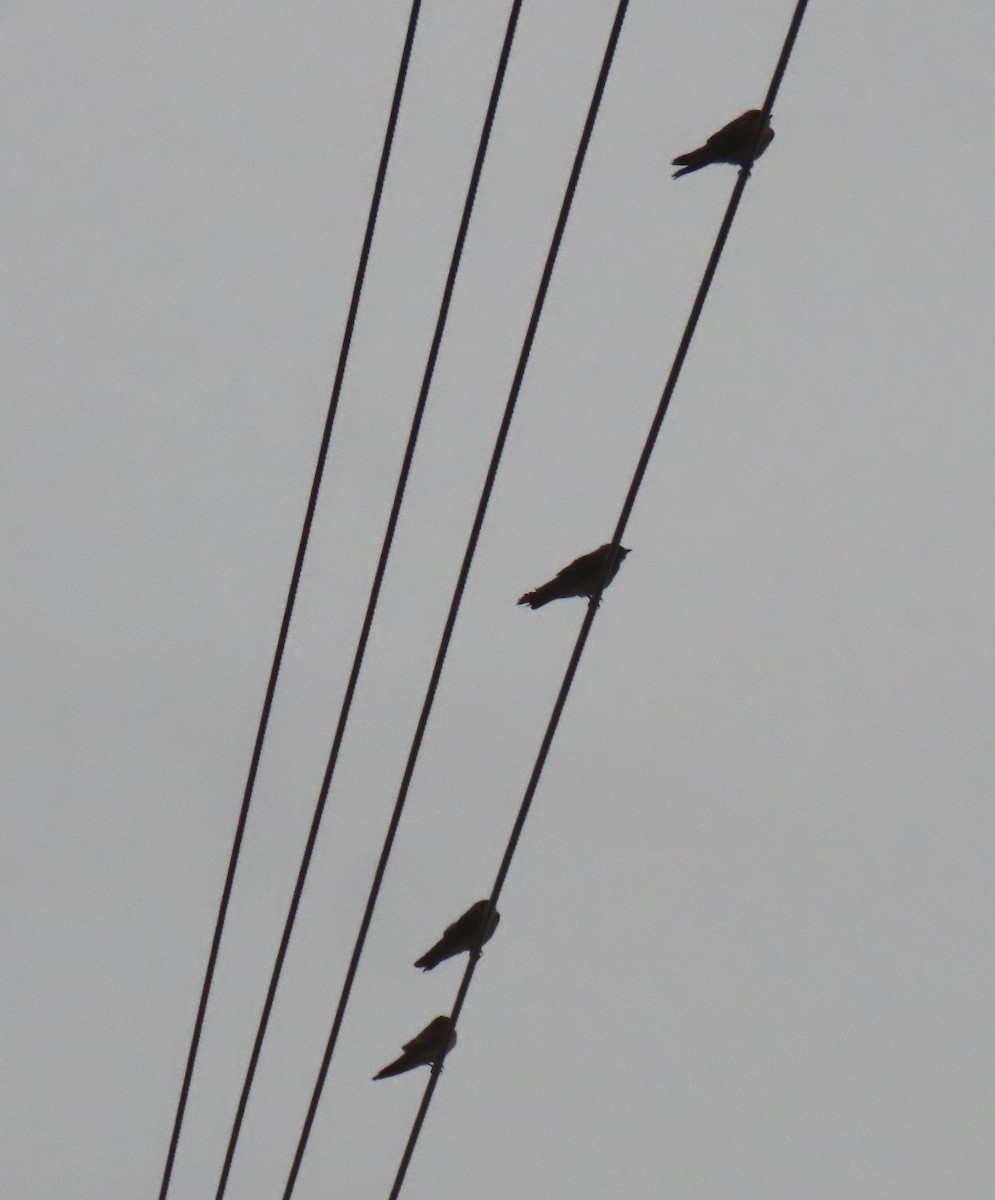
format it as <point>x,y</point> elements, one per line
<point>580,578</point>
<point>466,933</point>
<point>732,144</point>
<point>434,1042</point>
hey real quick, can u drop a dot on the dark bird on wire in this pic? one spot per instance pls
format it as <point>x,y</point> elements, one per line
<point>466,933</point>
<point>434,1042</point>
<point>580,578</point>
<point>732,144</point>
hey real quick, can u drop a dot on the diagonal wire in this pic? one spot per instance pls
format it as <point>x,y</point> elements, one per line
<point>382,864</point>
<point>371,608</point>
<point>288,609</point>
<point>459,589</point>
<point>592,608</point>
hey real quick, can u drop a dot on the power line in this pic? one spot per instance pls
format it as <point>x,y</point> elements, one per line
<point>288,609</point>
<point>371,608</point>
<point>459,589</point>
<point>592,608</point>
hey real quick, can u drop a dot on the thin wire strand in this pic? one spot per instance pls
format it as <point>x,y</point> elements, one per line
<point>326,1060</point>
<point>288,609</point>
<point>368,619</point>
<point>458,592</point>
<point>592,607</point>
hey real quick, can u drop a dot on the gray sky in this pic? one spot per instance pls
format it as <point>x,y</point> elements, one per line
<point>746,944</point>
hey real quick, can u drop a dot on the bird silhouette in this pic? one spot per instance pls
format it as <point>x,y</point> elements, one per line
<point>581,578</point>
<point>434,1042</point>
<point>733,143</point>
<point>468,932</point>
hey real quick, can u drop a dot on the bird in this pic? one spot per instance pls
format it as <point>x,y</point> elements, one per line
<point>581,578</point>
<point>466,933</point>
<point>433,1043</point>
<point>732,144</point>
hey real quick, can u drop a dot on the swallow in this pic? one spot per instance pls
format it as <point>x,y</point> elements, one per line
<point>466,933</point>
<point>433,1043</point>
<point>581,578</point>
<point>732,144</point>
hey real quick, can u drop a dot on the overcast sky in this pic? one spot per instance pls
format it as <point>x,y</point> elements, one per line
<point>746,947</point>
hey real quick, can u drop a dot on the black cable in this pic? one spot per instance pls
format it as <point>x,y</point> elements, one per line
<point>371,608</point>
<point>326,1060</point>
<point>592,607</point>
<point>288,609</point>
<point>460,585</point>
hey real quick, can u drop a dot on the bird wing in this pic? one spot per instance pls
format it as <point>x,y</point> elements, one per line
<point>428,1038</point>
<point>456,938</point>
<point>578,578</point>
<point>417,1043</point>
<point>459,936</point>
<point>432,1043</point>
<point>578,573</point>
<point>466,925</point>
<point>734,141</point>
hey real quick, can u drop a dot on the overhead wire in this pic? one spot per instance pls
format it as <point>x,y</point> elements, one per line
<point>348,695</point>
<point>592,608</point>
<point>288,610</point>
<point>459,589</point>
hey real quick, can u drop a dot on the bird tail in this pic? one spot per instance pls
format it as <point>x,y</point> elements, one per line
<point>694,160</point>
<point>431,958</point>
<point>397,1067</point>
<point>542,595</point>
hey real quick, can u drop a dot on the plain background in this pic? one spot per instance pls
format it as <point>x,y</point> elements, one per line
<point>746,944</point>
